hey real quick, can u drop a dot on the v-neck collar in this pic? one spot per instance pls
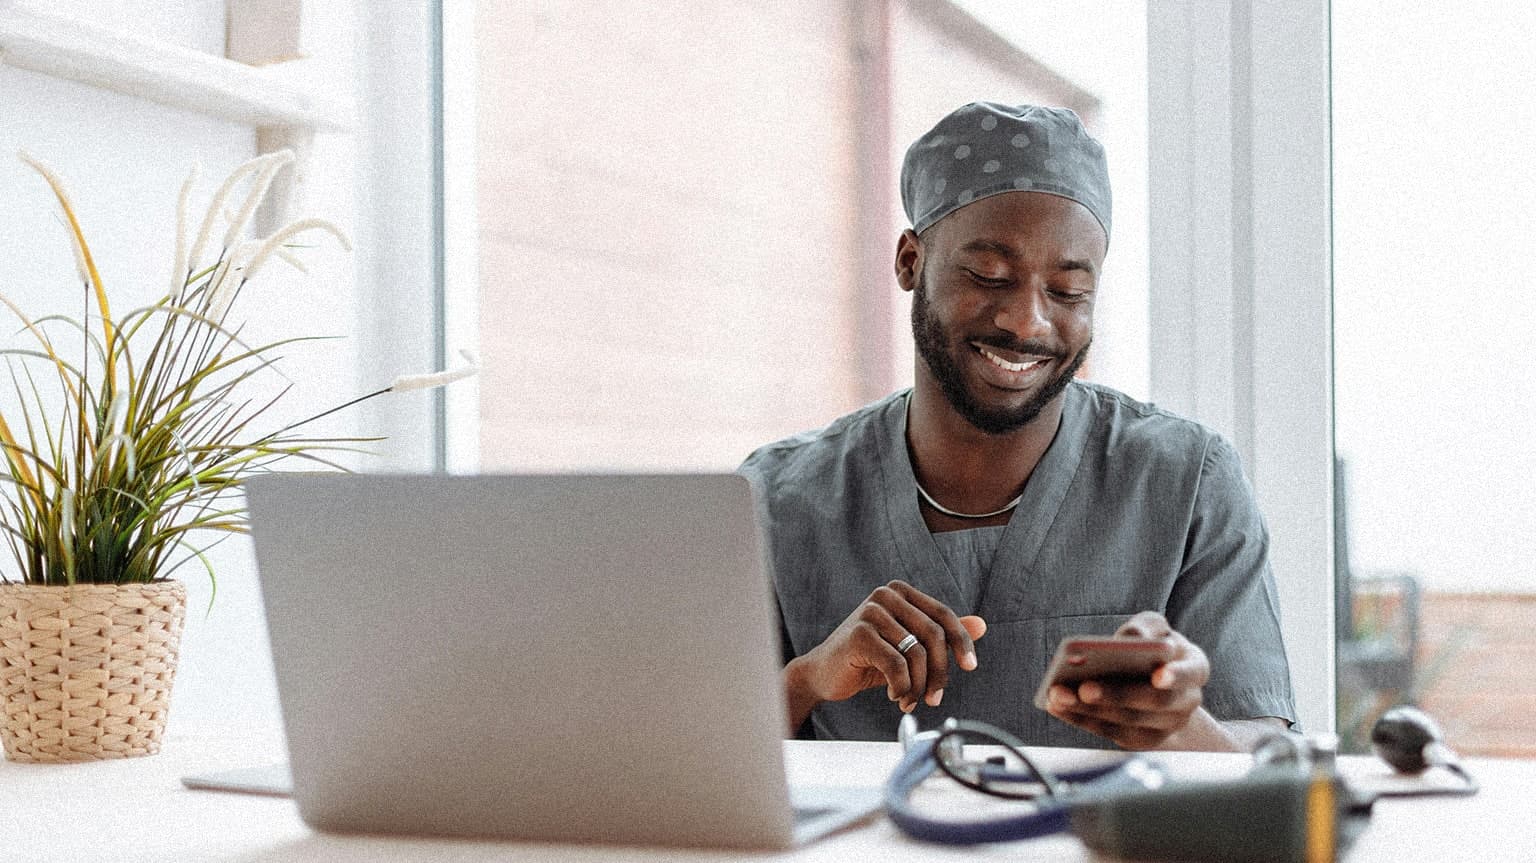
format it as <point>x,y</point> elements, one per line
<point>918,553</point>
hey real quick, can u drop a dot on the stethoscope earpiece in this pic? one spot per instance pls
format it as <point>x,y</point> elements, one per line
<point>1403,736</point>
<point>1409,740</point>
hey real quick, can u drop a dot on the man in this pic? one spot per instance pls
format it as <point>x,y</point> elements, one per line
<point>1001,496</point>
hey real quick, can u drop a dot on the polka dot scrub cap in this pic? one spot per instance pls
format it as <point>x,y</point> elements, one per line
<point>986,149</point>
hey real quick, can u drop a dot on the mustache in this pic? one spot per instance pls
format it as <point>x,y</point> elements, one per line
<point>1026,346</point>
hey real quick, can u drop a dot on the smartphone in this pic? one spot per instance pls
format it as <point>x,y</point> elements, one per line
<point>1116,659</point>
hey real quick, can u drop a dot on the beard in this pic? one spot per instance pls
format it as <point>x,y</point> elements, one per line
<point>939,353</point>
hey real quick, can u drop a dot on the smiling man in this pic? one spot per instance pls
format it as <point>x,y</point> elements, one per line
<point>1002,497</point>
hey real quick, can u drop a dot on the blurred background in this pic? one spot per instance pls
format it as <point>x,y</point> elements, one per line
<point>687,238</point>
<point>1433,187</point>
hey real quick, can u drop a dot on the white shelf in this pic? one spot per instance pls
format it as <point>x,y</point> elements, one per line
<point>168,74</point>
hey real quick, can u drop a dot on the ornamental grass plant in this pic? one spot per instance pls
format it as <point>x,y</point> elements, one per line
<point>135,429</point>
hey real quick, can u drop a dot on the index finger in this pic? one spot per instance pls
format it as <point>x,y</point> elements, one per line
<point>955,634</point>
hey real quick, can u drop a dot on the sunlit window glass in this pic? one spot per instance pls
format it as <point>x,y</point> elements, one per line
<point>1433,189</point>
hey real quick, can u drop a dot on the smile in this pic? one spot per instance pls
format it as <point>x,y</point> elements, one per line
<point>1010,366</point>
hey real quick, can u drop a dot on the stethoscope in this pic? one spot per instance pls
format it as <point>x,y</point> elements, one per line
<point>1053,795</point>
<point>1404,737</point>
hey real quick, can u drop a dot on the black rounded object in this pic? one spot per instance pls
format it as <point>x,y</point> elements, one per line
<point>1400,737</point>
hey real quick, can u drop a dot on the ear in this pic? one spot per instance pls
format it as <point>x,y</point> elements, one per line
<point>909,259</point>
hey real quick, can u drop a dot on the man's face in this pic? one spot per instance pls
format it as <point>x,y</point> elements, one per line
<point>1002,309</point>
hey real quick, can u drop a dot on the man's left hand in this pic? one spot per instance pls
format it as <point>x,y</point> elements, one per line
<point>1139,715</point>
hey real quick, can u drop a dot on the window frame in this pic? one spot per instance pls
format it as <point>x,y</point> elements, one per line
<point>1241,278</point>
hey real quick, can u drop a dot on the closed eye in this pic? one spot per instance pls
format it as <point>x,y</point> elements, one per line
<point>988,281</point>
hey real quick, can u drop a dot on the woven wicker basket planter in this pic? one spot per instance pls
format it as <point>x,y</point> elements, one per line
<point>85,671</point>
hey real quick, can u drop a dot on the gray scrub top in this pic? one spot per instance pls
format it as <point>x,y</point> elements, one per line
<point>1130,509</point>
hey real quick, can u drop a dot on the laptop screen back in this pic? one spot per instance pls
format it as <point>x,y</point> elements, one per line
<point>539,657</point>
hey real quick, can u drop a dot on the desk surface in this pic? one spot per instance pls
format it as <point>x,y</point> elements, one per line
<point>137,810</point>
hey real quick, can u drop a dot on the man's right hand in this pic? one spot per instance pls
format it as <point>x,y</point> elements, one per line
<point>862,653</point>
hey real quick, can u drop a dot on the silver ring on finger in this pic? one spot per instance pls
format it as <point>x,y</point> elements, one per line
<point>907,643</point>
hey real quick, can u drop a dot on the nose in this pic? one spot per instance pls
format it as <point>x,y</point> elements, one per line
<point>1023,313</point>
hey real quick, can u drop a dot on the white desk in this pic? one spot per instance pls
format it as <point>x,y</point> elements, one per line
<point>137,810</point>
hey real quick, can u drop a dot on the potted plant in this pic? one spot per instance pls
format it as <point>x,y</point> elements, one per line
<point>134,433</point>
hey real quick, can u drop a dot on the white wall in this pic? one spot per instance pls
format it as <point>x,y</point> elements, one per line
<point>195,24</point>
<point>125,192</point>
<point>123,159</point>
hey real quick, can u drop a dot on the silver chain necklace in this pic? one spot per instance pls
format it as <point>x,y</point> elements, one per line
<point>941,507</point>
<point>947,511</point>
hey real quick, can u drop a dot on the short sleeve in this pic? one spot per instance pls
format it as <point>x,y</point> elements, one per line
<point>1224,599</point>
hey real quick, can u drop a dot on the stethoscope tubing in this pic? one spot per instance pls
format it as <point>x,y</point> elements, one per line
<point>1050,814</point>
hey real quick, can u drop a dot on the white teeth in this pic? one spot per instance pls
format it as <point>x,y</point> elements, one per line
<point>1004,364</point>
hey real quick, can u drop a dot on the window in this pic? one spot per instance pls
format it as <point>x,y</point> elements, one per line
<point>1433,188</point>
<point>686,240</point>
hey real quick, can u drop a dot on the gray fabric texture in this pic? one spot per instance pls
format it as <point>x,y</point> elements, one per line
<point>969,555</point>
<point>1130,509</point>
<point>984,149</point>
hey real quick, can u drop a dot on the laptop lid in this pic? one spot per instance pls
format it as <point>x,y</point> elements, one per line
<point>582,658</point>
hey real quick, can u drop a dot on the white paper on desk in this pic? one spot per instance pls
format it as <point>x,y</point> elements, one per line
<point>1381,779</point>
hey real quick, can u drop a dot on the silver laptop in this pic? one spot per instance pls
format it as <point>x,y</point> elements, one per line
<point>588,658</point>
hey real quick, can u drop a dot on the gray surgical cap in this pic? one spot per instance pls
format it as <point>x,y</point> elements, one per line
<point>985,149</point>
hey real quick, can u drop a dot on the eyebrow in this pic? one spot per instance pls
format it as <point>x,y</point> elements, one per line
<point>992,246</point>
<point>1078,264</point>
<point>1007,251</point>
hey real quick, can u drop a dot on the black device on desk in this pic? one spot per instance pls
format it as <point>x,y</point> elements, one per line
<point>1131,810</point>
<point>1292,807</point>
<point>1289,809</point>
